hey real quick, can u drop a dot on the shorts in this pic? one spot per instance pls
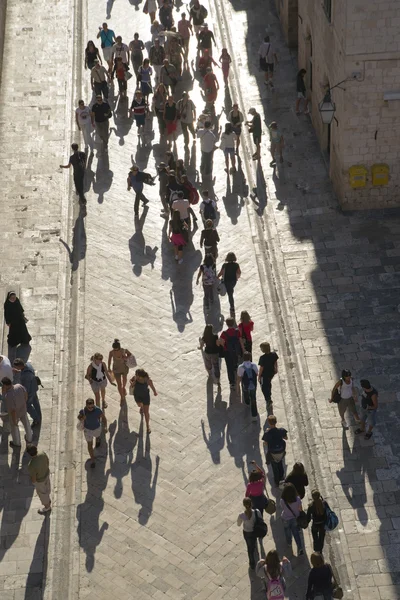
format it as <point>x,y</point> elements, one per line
<point>98,385</point>
<point>237,129</point>
<point>143,401</point>
<point>269,67</point>
<point>171,127</point>
<point>140,120</point>
<point>107,53</point>
<point>229,151</point>
<point>257,139</point>
<point>300,95</point>
<point>368,417</point>
<point>90,434</point>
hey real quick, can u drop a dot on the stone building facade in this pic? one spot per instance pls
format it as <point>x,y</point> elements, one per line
<point>357,41</point>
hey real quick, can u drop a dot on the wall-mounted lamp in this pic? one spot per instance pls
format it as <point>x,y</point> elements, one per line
<point>327,108</point>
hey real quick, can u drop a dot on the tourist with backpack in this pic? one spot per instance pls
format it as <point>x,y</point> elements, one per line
<point>208,208</point>
<point>247,374</point>
<point>209,238</point>
<point>24,374</point>
<point>291,511</point>
<point>207,272</point>
<point>233,349</point>
<point>273,571</point>
<point>230,273</point>
<point>275,445</point>
<point>248,520</point>
<point>318,512</point>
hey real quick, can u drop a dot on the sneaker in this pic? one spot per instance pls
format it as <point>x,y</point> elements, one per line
<point>368,435</point>
<point>180,261</point>
<point>301,552</point>
<point>358,431</point>
<point>344,424</point>
<point>176,257</point>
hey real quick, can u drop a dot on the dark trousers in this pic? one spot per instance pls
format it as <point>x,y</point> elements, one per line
<point>249,397</point>
<point>186,127</point>
<point>208,295</point>
<point>206,162</point>
<point>122,85</point>
<point>139,197</point>
<point>277,469</point>
<point>258,502</point>
<point>101,88</point>
<point>79,177</point>
<point>33,408</point>
<point>251,542</point>
<point>318,534</point>
<point>230,286</point>
<point>231,362</point>
<point>266,388</point>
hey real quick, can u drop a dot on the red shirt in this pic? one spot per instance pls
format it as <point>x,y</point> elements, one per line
<point>246,329</point>
<point>255,488</point>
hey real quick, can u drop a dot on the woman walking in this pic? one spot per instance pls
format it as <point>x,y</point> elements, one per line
<point>277,141</point>
<point>144,77</point>
<point>246,327</point>
<point>211,87</point>
<point>157,32</point>
<point>291,508</point>
<point>211,345</point>
<point>209,238</point>
<point>97,375</point>
<point>230,273</point>
<point>320,579</point>
<point>120,369</point>
<point>138,108</point>
<point>140,384</point>
<point>18,334</point>
<point>91,55</point>
<point>317,514</point>
<point>268,364</point>
<point>170,118</point>
<point>248,519</point>
<point>227,145</point>
<point>151,9</point>
<point>120,73</point>
<point>136,48</point>
<point>225,61</point>
<point>272,569</point>
<point>207,272</point>
<point>178,234</point>
<point>301,92</point>
<point>298,477</point>
<point>159,100</point>
<point>236,119</point>
<point>255,488</point>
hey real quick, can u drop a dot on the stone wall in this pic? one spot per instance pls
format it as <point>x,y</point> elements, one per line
<point>3,8</point>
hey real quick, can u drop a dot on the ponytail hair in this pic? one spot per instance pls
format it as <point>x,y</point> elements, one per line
<point>318,503</point>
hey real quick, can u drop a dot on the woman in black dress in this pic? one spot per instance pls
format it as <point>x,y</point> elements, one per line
<point>91,54</point>
<point>14,317</point>
<point>140,384</point>
<point>230,273</point>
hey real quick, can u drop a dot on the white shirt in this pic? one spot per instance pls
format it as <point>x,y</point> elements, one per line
<point>246,365</point>
<point>182,204</point>
<point>207,140</point>
<point>228,140</point>
<point>248,524</point>
<point>266,51</point>
<point>121,51</point>
<point>6,368</point>
<point>83,116</point>
<point>346,389</point>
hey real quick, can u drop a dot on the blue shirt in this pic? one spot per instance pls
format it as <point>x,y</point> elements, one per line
<point>136,182</point>
<point>107,37</point>
<point>92,420</point>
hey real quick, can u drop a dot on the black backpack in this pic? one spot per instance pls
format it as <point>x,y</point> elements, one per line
<point>209,211</point>
<point>233,345</point>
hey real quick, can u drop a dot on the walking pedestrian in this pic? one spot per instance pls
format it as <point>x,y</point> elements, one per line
<point>101,113</point>
<point>120,369</point>
<point>268,363</point>
<point>171,119</point>
<point>16,397</point>
<point>178,235</point>
<point>165,15</point>
<point>255,488</point>
<point>39,472</point>
<point>185,30</point>
<point>344,394</point>
<point>168,75</point>
<point>138,110</point>
<point>247,375</point>
<point>107,37</point>
<point>136,48</point>
<point>205,61</point>
<point>99,79</point>
<point>136,180</point>
<point>157,32</point>
<point>316,513</point>
<point>275,445</point>
<point>277,141</point>
<point>255,128</point>
<point>141,383</point>
<point>291,509</point>
<point>91,54</point>
<point>227,145</point>
<point>156,57</point>
<point>301,92</point>
<point>6,369</point>
<point>272,569</point>
<point>207,146</point>
<point>150,7</point>
<point>187,112</point>
<point>120,73</point>
<point>208,208</point>
<point>206,39</point>
<point>268,59</point>
<point>18,337</point>
<point>209,238</point>
<point>174,50</point>
<point>159,101</point>
<point>182,204</point>
<point>320,579</point>
<point>24,374</point>
<point>198,14</point>
<point>144,77</point>
<point>212,346</point>
<point>92,418</point>
<point>248,520</point>
<point>246,326</point>
<point>369,407</point>
<point>233,349</point>
<point>236,119</point>
<point>298,477</point>
<point>230,273</point>
<point>207,273</point>
<point>97,375</point>
<point>211,87</point>
<point>163,190</point>
<point>225,60</point>
<point>84,124</point>
<point>78,162</point>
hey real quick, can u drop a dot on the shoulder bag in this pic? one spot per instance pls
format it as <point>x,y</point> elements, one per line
<point>270,505</point>
<point>260,528</point>
<point>332,520</point>
<point>301,520</point>
<point>337,591</point>
<point>337,394</point>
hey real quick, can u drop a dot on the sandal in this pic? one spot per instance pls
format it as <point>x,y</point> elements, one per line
<point>104,405</point>
<point>358,431</point>
<point>368,435</point>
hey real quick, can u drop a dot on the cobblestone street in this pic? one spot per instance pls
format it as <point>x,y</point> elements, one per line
<point>157,516</point>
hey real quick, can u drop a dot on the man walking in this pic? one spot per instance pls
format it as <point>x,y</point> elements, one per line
<point>78,162</point>
<point>38,469</point>
<point>198,14</point>
<point>92,417</point>
<point>101,112</point>
<point>84,124</point>
<point>369,407</point>
<point>99,79</point>
<point>27,378</point>
<point>275,445</point>
<point>233,348</point>
<point>206,39</point>
<point>120,50</point>
<point>16,397</point>
<point>247,374</point>
<point>207,145</point>
<point>136,181</point>
<point>255,128</point>
<point>268,58</point>
<point>156,57</point>
<point>187,110</point>
<point>185,30</point>
<point>107,37</point>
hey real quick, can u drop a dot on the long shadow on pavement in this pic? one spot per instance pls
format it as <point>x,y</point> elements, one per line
<point>144,482</point>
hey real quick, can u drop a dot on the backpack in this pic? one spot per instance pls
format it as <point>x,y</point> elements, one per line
<point>275,589</point>
<point>38,381</point>
<point>209,211</point>
<point>233,344</point>
<point>193,195</point>
<point>208,275</point>
<point>249,379</point>
<point>332,520</point>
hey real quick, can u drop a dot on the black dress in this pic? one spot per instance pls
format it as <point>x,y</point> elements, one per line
<point>14,317</point>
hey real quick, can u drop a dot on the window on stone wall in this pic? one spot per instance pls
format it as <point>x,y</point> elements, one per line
<point>328,9</point>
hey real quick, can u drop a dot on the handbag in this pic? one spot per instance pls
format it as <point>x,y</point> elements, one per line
<point>332,520</point>
<point>131,362</point>
<point>270,506</point>
<point>221,288</point>
<point>260,528</point>
<point>337,591</point>
<point>337,395</point>
<point>301,520</point>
